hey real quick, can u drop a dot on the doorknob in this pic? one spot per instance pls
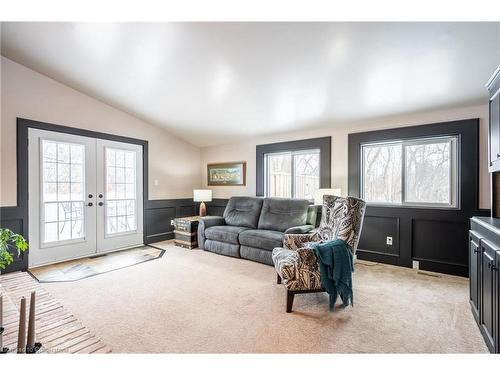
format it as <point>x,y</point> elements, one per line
<point>90,204</point>
<point>101,204</point>
<point>90,195</point>
<point>100,195</point>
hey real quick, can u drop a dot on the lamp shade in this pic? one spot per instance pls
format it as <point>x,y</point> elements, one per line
<point>318,194</point>
<point>202,195</point>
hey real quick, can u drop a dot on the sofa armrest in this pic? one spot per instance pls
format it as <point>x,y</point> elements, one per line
<point>207,222</point>
<point>211,221</point>
<point>300,229</point>
<point>297,241</point>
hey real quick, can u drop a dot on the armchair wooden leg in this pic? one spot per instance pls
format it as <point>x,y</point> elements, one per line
<point>289,300</point>
<point>278,278</point>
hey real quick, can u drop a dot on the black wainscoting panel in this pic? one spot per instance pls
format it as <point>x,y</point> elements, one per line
<point>158,223</point>
<point>158,215</point>
<point>12,218</point>
<point>437,238</point>
<point>376,229</point>
<point>440,241</point>
<point>189,210</point>
<point>217,207</point>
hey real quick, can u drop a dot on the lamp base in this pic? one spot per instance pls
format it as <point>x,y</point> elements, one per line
<point>203,209</point>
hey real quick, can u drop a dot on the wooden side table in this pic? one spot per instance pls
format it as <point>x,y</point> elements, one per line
<point>186,232</point>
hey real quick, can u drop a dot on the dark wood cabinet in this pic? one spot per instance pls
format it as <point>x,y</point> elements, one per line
<point>474,273</point>
<point>489,307</point>
<point>484,262</point>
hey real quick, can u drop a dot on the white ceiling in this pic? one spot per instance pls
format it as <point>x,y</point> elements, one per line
<point>214,83</point>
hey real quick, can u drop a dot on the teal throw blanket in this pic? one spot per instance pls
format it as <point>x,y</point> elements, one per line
<point>336,267</point>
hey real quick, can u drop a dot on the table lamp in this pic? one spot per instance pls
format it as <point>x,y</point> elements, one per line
<point>318,195</point>
<point>202,195</point>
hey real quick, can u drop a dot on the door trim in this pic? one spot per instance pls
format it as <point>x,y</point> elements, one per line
<point>22,166</point>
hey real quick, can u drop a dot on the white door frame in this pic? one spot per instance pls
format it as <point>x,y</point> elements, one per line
<point>109,242</point>
<point>41,253</point>
<point>74,249</point>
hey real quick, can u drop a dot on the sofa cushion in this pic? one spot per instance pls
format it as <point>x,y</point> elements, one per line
<point>243,211</point>
<point>224,233</point>
<point>282,213</point>
<point>257,255</point>
<point>262,239</point>
<point>222,248</point>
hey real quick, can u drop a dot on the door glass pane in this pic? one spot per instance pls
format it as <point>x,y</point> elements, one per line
<point>279,175</point>
<point>62,182</point>
<point>120,197</point>
<point>428,172</point>
<point>382,173</point>
<point>306,171</point>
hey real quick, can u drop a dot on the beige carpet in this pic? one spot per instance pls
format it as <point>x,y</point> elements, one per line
<point>195,301</point>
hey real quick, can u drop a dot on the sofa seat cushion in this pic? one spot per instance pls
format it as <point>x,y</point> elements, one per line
<point>257,255</point>
<point>222,248</point>
<point>262,239</point>
<point>224,233</point>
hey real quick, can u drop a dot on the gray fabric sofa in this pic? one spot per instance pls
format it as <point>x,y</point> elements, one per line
<point>252,227</point>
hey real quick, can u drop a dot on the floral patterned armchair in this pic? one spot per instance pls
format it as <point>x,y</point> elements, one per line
<point>295,262</point>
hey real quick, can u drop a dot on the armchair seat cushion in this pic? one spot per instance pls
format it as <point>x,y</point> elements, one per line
<point>224,233</point>
<point>262,239</point>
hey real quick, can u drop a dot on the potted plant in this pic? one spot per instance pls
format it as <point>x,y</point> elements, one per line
<point>10,240</point>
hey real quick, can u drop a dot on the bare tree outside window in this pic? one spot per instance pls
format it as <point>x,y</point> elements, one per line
<point>427,167</point>
<point>306,170</point>
<point>428,172</point>
<point>382,173</point>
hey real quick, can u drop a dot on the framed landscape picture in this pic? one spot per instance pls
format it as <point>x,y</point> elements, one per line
<point>227,174</point>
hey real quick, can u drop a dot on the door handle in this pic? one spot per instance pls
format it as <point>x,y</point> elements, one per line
<point>476,251</point>
<point>100,195</point>
<point>101,204</point>
<point>90,195</point>
<point>90,204</point>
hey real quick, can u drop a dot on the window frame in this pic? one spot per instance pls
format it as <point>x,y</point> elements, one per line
<point>322,143</point>
<point>455,185</point>
<point>292,154</point>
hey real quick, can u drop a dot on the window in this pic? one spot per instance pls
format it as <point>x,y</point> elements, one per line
<point>120,191</point>
<point>63,182</point>
<point>293,174</point>
<point>416,172</point>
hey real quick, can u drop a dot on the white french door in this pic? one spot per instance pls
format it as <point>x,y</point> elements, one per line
<point>119,178</point>
<point>85,196</point>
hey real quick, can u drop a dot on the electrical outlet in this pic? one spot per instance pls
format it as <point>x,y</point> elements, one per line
<point>415,264</point>
<point>388,241</point>
<point>172,222</point>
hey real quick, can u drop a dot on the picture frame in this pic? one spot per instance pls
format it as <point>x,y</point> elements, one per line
<point>227,174</point>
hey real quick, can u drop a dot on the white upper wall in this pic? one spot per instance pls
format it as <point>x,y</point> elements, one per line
<point>245,151</point>
<point>176,165</point>
<point>220,82</point>
<point>173,163</point>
